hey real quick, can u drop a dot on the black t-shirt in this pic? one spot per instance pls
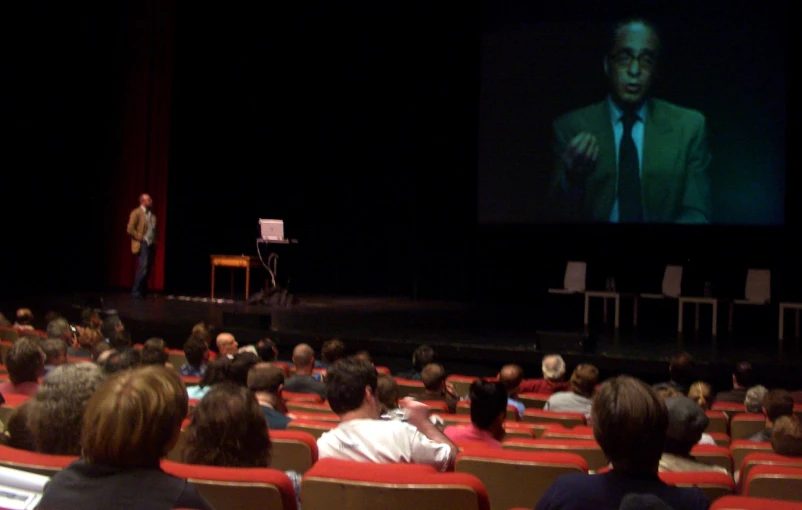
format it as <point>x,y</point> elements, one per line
<point>305,384</point>
<point>81,486</point>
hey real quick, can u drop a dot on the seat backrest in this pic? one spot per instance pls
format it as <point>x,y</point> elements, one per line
<point>517,478</point>
<point>12,401</point>
<point>293,450</point>
<point>775,482</point>
<point>745,425</point>
<point>317,416</point>
<point>758,285</point>
<point>362,486</point>
<point>533,400</point>
<point>743,447</point>
<point>713,455</point>
<point>290,396</point>
<point>717,422</point>
<point>461,383</point>
<point>313,427</point>
<point>407,387</point>
<point>250,488</point>
<point>578,432</point>
<point>588,449</point>
<point>766,459</point>
<point>575,276</point>
<point>714,485</point>
<point>308,407</point>
<point>749,503</point>
<point>721,439</point>
<point>39,463</point>
<point>672,281</point>
<point>568,420</point>
<point>730,408</point>
<point>176,357</point>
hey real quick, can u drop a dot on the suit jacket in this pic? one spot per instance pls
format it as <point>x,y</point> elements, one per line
<point>675,186</point>
<point>138,227</point>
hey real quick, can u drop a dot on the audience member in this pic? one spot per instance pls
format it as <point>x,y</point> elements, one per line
<point>87,339</point>
<point>104,356</point>
<point>59,328</point>
<point>776,404</point>
<point>216,372</point>
<point>241,364</point>
<point>553,368</point>
<point>197,353</point>
<point>387,393</point>
<point>583,383</point>
<point>90,318</point>
<point>680,373</point>
<point>755,396</point>
<point>122,360</point>
<point>18,434</point>
<point>435,387</point>
<point>120,340</point>
<point>25,363</point>
<point>364,355</point>
<point>331,351</point>
<point>99,349</point>
<point>24,319</point>
<point>686,424</point>
<point>511,377</point>
<point>228,429</point>
<point>154,352</point>
<point>742,379</point>
<point>423,355</point>
<point>227,345</point>
<point>786,436</point>
<point>629,422</point>
<point>58,408</point>
<point>304,380</point>
<point>130,424</point>
<point>701,393</point>
<point>488,412</point>
<point>267,350</point>
<point>55,351</point>
<point>205,332</point>
<point>361,436</point>
<point>111,324</point>
<point>266,381</point>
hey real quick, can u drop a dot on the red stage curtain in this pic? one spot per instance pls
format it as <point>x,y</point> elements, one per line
<point>146,59</point>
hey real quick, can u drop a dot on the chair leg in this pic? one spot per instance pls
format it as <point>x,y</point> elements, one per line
<point>679,317</point>
<point>635,312</point>
<point>617,310</point>
<point>696,318</point>
<point>715,318</point>
<point>604,309</point>
<point>587,303</point>
<point>729,321</point>
<point>796,323</point>
<point>782,323</point>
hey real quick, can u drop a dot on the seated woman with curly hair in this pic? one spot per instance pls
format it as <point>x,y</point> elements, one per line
<point>228,429</point>
<point>129,425</point>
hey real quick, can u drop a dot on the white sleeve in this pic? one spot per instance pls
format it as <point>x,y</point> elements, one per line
<point>425,451</point>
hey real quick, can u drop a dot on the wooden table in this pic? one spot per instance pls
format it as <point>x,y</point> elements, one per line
<point>235,261</point>
<point>697,301</point>
<point>604,295</point>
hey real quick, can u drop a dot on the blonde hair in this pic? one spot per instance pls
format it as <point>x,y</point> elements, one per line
<point>701,393</point>
<point>134,418</point>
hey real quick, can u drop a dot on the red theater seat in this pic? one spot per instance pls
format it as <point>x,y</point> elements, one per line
<point>766,459</point>
<point>714,485</point>
<point>362,486</point>
<point>746,425</point>
<point>776,482</point>
<point>293,450</point>
<point>748,503</point>
<point>290,396</point>
<point>568,420</point>
<point>250,488</point>
<point>586,448</point>
<point>40,463</point>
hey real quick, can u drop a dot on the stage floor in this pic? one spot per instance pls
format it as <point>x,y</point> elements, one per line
<point>470,338</point>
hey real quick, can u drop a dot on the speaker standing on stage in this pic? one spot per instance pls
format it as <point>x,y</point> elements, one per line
<point>142,229</point>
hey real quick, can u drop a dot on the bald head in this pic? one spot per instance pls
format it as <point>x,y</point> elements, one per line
<point>227,344</point>
<point>511,377</point>
<point>303,356</point>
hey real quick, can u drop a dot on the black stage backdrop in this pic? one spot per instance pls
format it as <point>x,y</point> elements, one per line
<point>355,122</point>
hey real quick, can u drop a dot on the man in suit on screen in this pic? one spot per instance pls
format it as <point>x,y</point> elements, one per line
<point>631,158</point>
<point>142,229</point>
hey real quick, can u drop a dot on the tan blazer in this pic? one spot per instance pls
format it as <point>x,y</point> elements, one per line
<point>138,227</point>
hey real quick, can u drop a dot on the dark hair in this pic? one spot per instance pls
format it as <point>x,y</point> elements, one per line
<point>786,436</point>
<point>422,356</point>
<point>240,365</point>
<point>584,379</point>
<point>387,392</point>
<point>488,401</point>
<point>265,377</point>
<point>266,349</point>
<point>110,323</point>
<point>120,339</point>
<point>53,348</point>
<point>98,349</point>
<point>153,352</point>
<point>778,403</point>
<point>24,361</point>
<point>617,26</point>
<point>216,372</point>
<point>630,423</point>
<point>346,381</point>
<point>332,350</point>
<point>744,375</point>
<point>122,360</point>
<point>228,429</point>
<point>680,368</point>
<point>195,350</point>
<point>17,429</point>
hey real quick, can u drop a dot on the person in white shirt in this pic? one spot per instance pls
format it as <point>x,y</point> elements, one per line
<point>362,436</point>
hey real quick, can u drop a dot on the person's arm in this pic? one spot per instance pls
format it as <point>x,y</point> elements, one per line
<point>418,417</point>
<point>133,221</point>
<point>575,155</point>
<point>696,197</point>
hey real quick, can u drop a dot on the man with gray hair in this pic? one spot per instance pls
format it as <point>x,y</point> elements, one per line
<point>754,399</point>
<point>553,368</point>
<point>60,329</point>
<point>305,380</point>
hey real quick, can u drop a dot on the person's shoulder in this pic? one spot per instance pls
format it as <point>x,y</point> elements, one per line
<point>692,498</point>
<point>663,108</point>
<point>583,113</point>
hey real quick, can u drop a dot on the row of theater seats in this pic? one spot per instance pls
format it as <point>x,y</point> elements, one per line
<point>484,479</point>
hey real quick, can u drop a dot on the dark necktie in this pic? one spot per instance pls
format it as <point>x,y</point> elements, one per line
<point>630,209</point>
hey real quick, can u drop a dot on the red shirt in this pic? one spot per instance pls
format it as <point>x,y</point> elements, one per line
<point>544,386</point>
<point>472,434</point>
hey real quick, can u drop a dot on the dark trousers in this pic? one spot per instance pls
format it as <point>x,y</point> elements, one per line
<point>145,263</point>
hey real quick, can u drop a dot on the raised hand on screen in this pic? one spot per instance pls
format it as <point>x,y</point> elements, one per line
<point>581,154</point>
